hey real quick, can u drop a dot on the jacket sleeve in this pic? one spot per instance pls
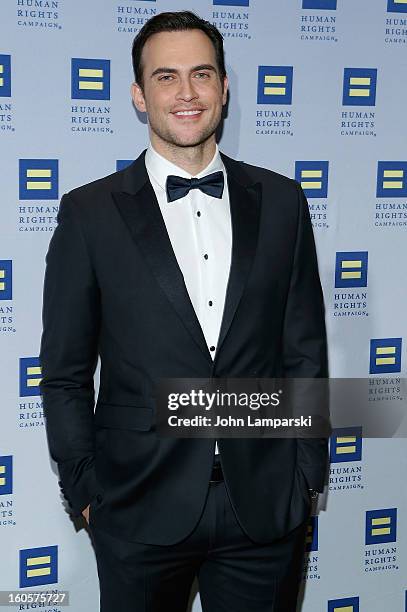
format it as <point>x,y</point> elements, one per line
<point>304,336</point>
<point>68,356</point>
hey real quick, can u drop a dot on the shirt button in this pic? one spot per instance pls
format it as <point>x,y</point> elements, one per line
<point>198,214</point>
<point>211,348</point>
<point>210,302</point>
<point>206,256</point>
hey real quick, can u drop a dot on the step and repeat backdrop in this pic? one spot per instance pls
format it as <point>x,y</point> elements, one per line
<point>318,92</point>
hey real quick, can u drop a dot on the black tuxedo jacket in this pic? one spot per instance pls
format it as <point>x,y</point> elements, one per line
<point>113,287</point>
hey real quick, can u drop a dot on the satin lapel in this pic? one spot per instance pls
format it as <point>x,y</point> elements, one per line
<point>142,215</point>
<point>245,205</point>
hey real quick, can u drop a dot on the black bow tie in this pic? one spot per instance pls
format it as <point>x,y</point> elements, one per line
<point>177,186</point>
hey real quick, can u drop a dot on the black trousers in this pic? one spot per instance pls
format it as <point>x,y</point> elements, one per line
<point>234,573</point>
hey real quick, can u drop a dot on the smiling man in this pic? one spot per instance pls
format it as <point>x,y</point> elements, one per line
<point>187,264</point>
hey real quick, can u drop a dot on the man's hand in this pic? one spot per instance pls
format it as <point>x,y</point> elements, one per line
<point>85,513</point>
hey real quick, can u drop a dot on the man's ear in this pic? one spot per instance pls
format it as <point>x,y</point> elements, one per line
<point>138,97</point>
<point>225,90</point>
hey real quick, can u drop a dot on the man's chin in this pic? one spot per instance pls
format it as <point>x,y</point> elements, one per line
<point>184,140</point>
<point>189,140</point>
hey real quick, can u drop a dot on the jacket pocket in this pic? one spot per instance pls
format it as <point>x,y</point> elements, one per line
<point>117,416</point>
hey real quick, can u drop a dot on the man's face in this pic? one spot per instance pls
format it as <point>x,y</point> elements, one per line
<point>180,74</point>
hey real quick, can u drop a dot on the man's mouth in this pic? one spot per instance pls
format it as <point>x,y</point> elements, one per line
<point>188,113</point>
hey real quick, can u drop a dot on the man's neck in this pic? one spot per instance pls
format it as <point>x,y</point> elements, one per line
<point>190,159</point>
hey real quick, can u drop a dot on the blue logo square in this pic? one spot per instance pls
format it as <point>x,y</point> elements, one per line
<point>6,279</point>
<point>275,85</point>
<point>313,177</point>
<point>5,76</point>
<point>359,86</point>
<point>396,6</point>
<point>30,376</point>
<point>391,179</point>
<point>231,2</point>
<point>351,269</point>
<point>90,79</point>
<point>385,355</point>
<point>6,475</point>
<point>311,538</point>
<point>381,526</point>
<point>121,164</point>
<point>38,179</point>
<point>38,566</point>
<point>347,604</point>
<point>319,4</point>
<point>345,444</point>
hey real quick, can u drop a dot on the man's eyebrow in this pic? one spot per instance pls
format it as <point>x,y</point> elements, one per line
<point>166,69</point>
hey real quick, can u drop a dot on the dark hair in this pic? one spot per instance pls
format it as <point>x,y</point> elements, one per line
<point>176,22</point>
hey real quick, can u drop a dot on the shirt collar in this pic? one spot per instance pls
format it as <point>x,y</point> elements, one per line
<point>159,167</point>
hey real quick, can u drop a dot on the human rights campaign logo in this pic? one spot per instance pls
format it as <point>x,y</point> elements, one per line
<point>90,79</point>
<point>38,179</point>
<point>231,2</point>
<point>311,536</point>
<point>275,85</point>
<point>319,4</point>
<point>6,475</point>
<point>5,76</point>
<point>30,376</point>
<point>385,355</point>
<point>351,269</point>
<point>345,444</point>
<point>6,279</point>
<point>391,179</point>
<point>38,566</point>
<point>121,164</point>
<point>345,604</point>
<point>313,177</point>
<point>359,86</point>
<point>381,526</point>
<point>396,6</point>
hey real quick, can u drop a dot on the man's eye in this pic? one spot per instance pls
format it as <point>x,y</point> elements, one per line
<point>203,74</point>
<point>165,77</point>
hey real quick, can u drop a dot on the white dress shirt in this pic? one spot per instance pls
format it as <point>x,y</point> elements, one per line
<point>199,228</point>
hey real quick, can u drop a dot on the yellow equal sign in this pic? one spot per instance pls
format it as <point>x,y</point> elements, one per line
<point>359,81</point>
<point>349,448</point>
<point>393,174</point>
<point>2,283</point>
<point>309,534</point>
<point>39,571</point>
<point>39,173</point>
<point>2,478</point>
<point>385,350</point>
<point>274,90</point>
<point>351,263</point>
<point>93,73</point>
<point>1,72</point>
<point>344,609</point>
<point>32,371</point>
<point>385,520</point>
<point>400,1</point>
<point>311,174</point>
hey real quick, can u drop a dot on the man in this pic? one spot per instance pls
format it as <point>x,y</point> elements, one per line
<point>187,264</point>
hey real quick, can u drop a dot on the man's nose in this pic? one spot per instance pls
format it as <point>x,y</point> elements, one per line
<point>186,90</point>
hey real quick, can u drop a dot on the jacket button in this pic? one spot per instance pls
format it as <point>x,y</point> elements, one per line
<point>99,498</point>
